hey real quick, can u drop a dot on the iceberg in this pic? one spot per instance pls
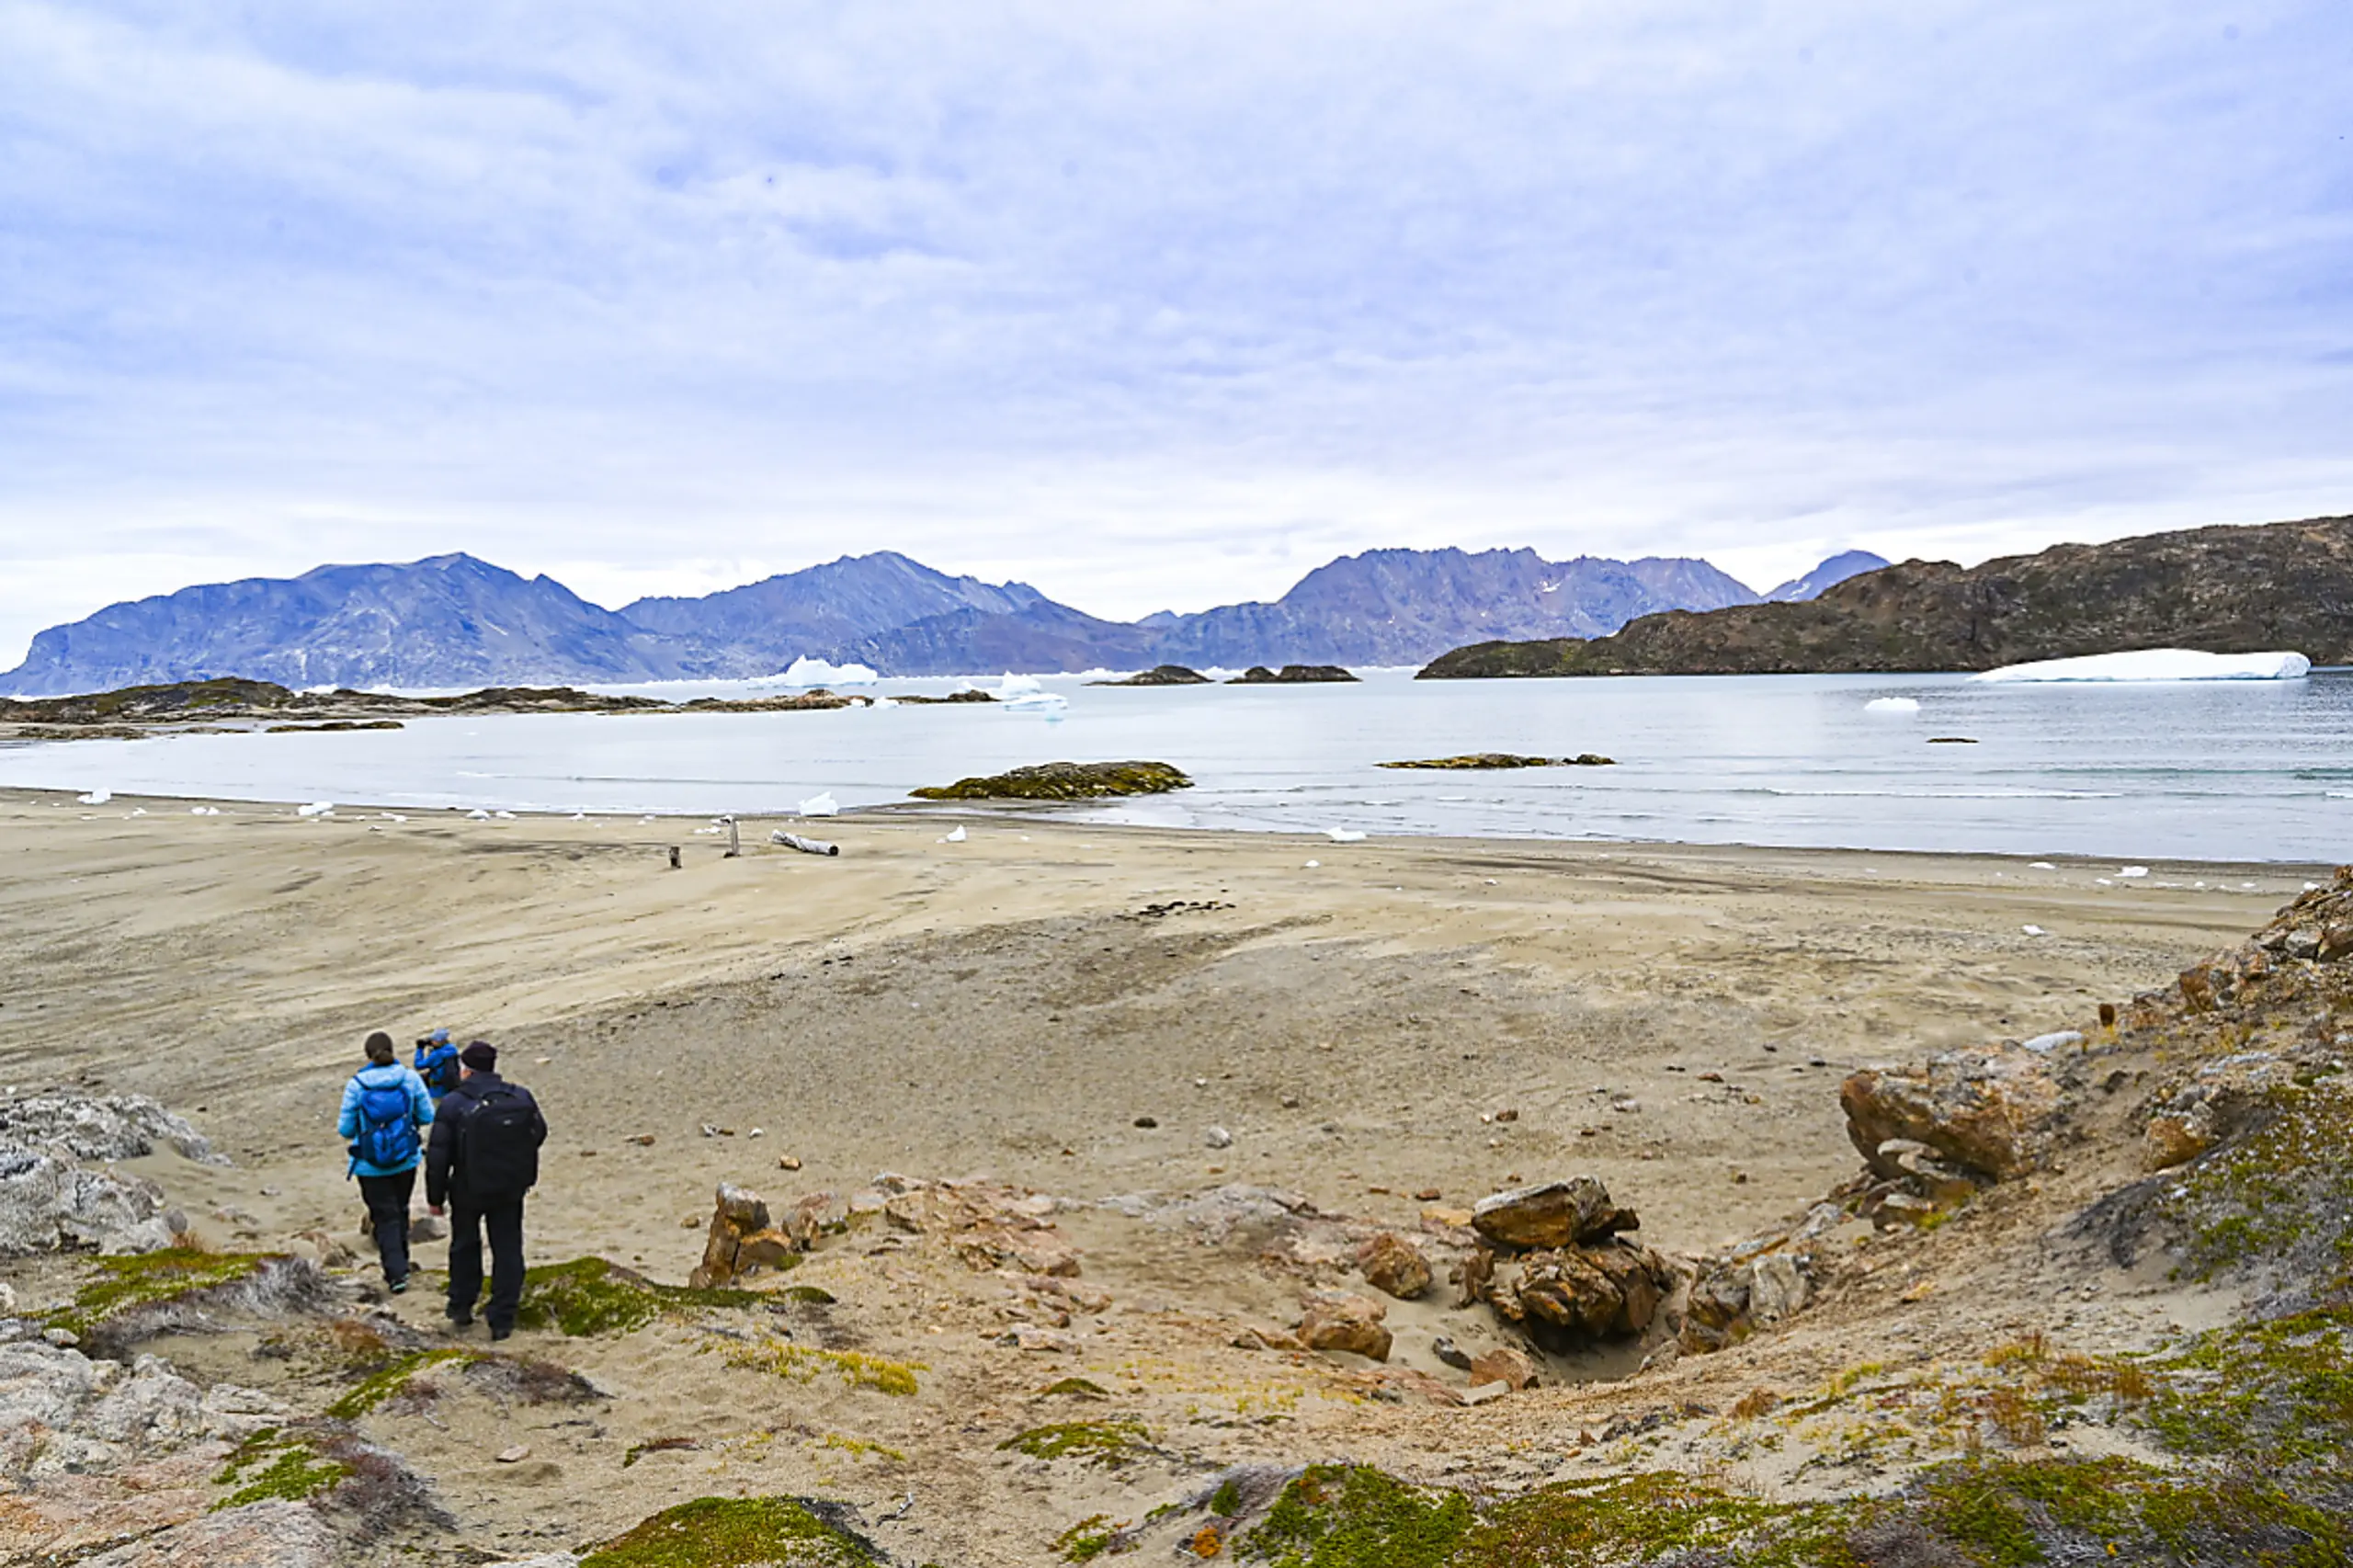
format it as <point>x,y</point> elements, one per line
<point>1893,705</point>
<point>316,808</point>
<point>1022,694</point>
<point>96,797</point>
<point>821,805</point>
<point>806,670</point>
<point>2156,664</point>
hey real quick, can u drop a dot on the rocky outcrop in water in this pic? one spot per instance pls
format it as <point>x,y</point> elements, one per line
<point>1062,781</point>
<point>1292,675</point>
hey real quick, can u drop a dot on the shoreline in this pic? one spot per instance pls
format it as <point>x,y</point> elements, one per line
<point>1062,814</point>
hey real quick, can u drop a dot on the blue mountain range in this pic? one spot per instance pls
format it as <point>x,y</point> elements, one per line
<point>451,620</point>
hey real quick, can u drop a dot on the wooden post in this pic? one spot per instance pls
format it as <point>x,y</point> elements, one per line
<point>673,857</point>
<point>734,845</point>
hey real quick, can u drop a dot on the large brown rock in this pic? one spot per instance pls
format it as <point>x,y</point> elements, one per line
<point>738,1214</point>
<point>1503,1364</point>
<point>1393,1265</point>
<point>1988,1109</point>
<point>1551,1214</point>
<point>1341,1320</point>
<point>1569,1297</point>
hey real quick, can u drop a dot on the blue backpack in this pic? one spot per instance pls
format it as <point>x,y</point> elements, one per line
<point>387,1131</point>
<point>438,1065</point>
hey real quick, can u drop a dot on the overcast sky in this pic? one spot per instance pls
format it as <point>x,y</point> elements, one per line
<point>1153,304</point>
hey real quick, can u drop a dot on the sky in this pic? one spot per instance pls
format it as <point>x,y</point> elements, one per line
<point>1154,305</point>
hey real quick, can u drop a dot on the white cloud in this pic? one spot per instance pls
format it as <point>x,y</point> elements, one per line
<point>1154,306</point>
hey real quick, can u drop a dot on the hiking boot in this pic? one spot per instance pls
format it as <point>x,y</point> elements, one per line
<point>459,1322</point>
<point>398,1286</point>
<point>497,1333</point>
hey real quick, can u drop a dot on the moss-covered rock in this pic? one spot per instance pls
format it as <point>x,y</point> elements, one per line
<point>1062,781</point>
<point>278,1466</point>
<point>125,1285</point>
<point>739,1532</point>
<point>590,1296</point>
<point>1357,1516</point>
<point>385,1381</point>
<point>1160,675</point>
<point>1104,1444</point>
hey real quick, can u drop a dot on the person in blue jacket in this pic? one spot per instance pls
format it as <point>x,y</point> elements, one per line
<point>385,1112</point>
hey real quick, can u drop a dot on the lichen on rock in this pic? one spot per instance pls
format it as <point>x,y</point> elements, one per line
<point>1062,781</point>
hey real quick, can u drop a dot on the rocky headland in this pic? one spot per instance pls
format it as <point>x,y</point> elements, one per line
<point>2217,589</point>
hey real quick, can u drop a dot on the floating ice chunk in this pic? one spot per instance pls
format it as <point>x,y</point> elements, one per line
<point>2041,866</point>
<point>96,797</point>
<point>2157,664</point>
<point>2131,870</point>
<point>478,814</point>
<point>1022,694</point>
<point>806,670</point>
<point>821,805</point>
<point>2034,930</point>
<point>1893,705</point>
<point>315,809</point>
<point>504,816</point>
<point>2047,1042</point>
<point>956,838</point>
<point>1343,835</point>
<point>884,702</point>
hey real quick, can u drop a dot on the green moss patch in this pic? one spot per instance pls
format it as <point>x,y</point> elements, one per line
<point>147,1279</point>
<point>1075,1388</point>
<point>1062,781</point>
<point>272,1466</point>
<point>1357,1516</point>
<point>738,1532</point>
<point>1106,1443</point>
<point>1087,1539</point>
<point>2275,1203</point>
<point>805,1363</point>
<point>2273,1395</point>
<point>381,1384</point>
<point>590,1296</point>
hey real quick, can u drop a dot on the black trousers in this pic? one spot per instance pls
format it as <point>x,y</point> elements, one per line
<point>503,1222</point>
<point>387,1200</point>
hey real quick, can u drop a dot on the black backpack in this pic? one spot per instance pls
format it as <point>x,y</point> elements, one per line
<point>498,1145</point>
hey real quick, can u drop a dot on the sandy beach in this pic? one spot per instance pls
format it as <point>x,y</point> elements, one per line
<point>1356,1023</point>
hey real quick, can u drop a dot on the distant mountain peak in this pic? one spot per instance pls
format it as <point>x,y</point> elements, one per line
<point>1828,574</point>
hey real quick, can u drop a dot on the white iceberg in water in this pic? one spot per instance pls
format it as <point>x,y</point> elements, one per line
<point>1893,705</point>
<point>823,805</point>
<point>96,797</point>
<point>1022,694</point>
<point>806,670</point>
<point>2156,664</point>
<point>315,809</point>
<point>1343,835</point>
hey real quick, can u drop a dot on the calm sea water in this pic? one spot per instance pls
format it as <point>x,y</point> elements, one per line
<point>2214,770</point>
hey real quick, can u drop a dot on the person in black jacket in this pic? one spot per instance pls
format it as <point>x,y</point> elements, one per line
<point>485,1156</point>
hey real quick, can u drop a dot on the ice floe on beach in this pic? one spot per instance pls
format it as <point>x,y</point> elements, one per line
<point>2156,664</point>
<point>821,805</point>
<point>96,797</point>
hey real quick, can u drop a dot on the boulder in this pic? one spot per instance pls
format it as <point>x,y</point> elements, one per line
<point>1988,1110</point>
<point>48,1203</point>
<point>259,1535</point>
<point>1393,1265</point>
<point>1504,1365</point>
<point>1551,1214</point>
<point>1571,1297</point>
<point>1734,1299</point>
<point>100,1128</point>
<point>2219,1102</point>
<point>1340,1320</point>
<point>738,1215</point>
